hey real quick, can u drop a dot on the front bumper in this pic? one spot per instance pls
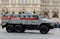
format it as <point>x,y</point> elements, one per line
<point>3,26</point>
<point>51,27</point>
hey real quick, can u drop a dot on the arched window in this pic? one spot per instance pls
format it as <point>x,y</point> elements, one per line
<point>5,9</point>
<point>35,1</point>
<point>55,12</point>
<point>24,10</point>
<point>13,2</point>
<point>5,2</point>
<point>46,11</point>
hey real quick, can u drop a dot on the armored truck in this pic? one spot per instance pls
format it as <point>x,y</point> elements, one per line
<point>26,21</point>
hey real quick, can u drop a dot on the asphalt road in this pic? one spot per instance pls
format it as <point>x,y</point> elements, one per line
<point>30,34</point>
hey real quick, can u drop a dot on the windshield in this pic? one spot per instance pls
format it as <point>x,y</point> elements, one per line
<point>44,16</point>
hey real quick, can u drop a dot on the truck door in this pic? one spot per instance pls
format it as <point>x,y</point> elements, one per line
<point>16,19</point>
<point>13,18</point>
<point>29,19</point>
<point>23,19</point>
<point>34,20</point>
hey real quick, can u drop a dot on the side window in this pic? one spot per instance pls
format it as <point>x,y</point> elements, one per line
<point>11,15</point>
<point>35,16</point>
<point>19,16</point>
<point>3,15</point>
<point>24,16</point>
<point>29,16</point>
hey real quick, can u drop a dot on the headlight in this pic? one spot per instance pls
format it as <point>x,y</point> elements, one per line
<point>3,23</point>
<point>52,24</point>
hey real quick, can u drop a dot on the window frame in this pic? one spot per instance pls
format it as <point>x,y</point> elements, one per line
<point>24,16</point>
<point>35,16</point>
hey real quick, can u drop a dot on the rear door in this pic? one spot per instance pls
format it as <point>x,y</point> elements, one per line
<point>5,18</point>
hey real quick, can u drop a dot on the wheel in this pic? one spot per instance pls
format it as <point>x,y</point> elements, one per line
<point>9,28</point>
<point>22,30</point>
<point>19,29</point>
<point>44,29</point>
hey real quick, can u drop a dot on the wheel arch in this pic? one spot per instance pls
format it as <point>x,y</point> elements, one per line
<point>46,24</point>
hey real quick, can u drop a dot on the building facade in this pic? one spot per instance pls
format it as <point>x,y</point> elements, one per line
<point>49,8</point>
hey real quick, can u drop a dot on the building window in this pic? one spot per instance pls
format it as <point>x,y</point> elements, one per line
<point>5,2</point>
<point>35,16</point>
<point>0,2</point>
<point>5,9</point>
<point>24,16</point>
<point>46,11</point>
<point>13,2</point>
<point>55,13</point>
<point>23,1</point>
<point>19,16</point>
<point>35,2</point>
<point>55,3</point>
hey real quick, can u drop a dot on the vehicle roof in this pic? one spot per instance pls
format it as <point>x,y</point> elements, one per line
<point>21,14</point>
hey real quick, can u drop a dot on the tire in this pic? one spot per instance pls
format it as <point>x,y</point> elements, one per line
<point>22,30</point>
<point>44,29</point>
<point>9,28</point>
<point>19,29</point>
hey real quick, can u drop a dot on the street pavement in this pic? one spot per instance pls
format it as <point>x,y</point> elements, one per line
<point>30,34</point>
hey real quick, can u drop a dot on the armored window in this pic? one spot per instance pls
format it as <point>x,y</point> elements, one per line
<point>35,16</point>
<point>29,16</point>
<point>11,15</point>
<point>3,15</point>
<point>24,16</point>
<point>19,16</point>
<point>5,2</point>
<point>34,1</point>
